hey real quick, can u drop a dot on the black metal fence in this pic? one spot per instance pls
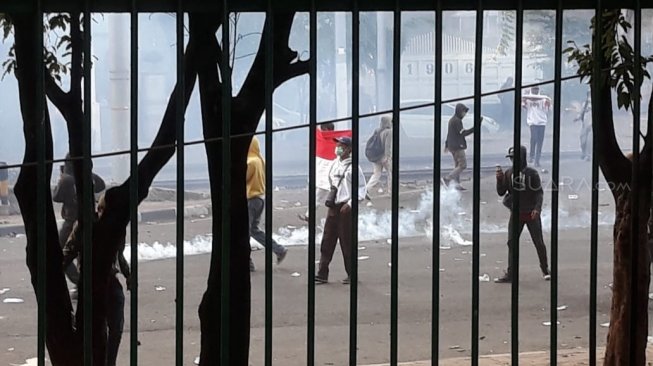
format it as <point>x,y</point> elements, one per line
<point>355,8</point>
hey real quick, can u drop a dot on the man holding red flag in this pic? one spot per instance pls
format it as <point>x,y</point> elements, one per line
<point>325,147</point>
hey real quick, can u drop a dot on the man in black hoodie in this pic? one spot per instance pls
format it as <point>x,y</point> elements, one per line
<point>531,195</point>
<point>457,145</point>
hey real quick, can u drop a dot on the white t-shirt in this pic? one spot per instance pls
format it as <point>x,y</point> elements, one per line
<point>340,177</point>
<point>537,109</point>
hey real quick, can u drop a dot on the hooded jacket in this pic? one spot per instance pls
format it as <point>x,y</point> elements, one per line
<point>255,170</point>
<point>66,193</point>
<point>528,183</point>
<point>385,132</point>
<point>456,133</point>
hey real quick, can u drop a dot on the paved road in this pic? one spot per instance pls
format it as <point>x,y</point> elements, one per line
<point>157,308</point>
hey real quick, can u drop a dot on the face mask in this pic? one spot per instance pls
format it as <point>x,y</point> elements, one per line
<point>339,150</point>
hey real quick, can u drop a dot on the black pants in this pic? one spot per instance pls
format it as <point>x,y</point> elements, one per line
<point>337,228</point>
<point>537,139</point>
<point>115,319</point>
<point>535,229</point>
<point>255,207</point>
<point>71,271</point>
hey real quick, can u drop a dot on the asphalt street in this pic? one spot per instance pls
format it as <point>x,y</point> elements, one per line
<point>157,289</point>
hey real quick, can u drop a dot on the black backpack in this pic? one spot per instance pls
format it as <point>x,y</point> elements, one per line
<point>374,149</point>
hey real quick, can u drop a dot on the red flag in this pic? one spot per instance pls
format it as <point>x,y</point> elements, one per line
<point>325,146</point>
<point>325,154</point>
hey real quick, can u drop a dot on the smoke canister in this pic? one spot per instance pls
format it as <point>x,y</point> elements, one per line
<point>4,184</point>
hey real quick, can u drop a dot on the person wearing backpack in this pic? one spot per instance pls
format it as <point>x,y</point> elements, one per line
<point>378,151</point>
<point>457,144</point>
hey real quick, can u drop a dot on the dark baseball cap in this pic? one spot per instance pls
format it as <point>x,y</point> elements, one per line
<point>345,140</point>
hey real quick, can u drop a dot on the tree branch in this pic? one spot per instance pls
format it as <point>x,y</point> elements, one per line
<point>57,96</point>
<point>613,163</point>
<point>283,66</point>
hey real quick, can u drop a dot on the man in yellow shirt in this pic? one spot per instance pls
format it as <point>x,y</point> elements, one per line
<point>256,200</point>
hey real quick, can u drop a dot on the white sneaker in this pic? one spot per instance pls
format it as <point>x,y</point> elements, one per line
<point>547,277</point>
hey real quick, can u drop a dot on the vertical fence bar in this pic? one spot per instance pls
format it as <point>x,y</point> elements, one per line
<point>225,289</point>
<point>179,119</point>
<point>396,125</point>
<point>437,167</point>
<point>310,325</point>
<point>87,203</point>
<point>355,128</point>
<point>269,92</point>
<point>594,231</point>
<point>634,196</point>
<point>42,185</point>
<point>514,234</point>
<point>476,194</point>
<point>133,185</point>
<point>557,97</point>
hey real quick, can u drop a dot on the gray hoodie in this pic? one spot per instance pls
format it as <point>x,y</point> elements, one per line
<point>385,132</point>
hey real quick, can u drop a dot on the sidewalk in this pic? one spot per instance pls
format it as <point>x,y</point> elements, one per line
<point>571,357</point>
<point>147,212</point>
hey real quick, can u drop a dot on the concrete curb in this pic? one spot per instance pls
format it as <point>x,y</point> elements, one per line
<point>565,357</point>
<point>161,215</point>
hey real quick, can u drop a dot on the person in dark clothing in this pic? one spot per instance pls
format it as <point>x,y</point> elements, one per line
<point>531,195</point>
<point>115,297</point>
<point>456,144</point>
<point>66,194</point>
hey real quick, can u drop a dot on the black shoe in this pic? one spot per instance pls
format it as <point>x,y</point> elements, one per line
<point>346,281</point>
<point>506,278</point>
<point>282,256</point>
<point>320,280</point>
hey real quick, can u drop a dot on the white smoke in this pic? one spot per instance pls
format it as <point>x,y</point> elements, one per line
<point>375,225</point>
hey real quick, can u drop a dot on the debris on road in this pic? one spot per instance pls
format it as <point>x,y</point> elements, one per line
<point>295,274</point>
<point>4,291</point>
<point>548,324</point>
<point>573,197</point>
<point>159,288</point>
<point>562,307</point>
<point>13,300</point>
<point>455,347</point>
<point>363,257</point>
<point>484,278</point>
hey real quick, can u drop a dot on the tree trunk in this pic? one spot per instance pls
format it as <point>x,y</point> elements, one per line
<point>627,336</point>
<point>60,339</point>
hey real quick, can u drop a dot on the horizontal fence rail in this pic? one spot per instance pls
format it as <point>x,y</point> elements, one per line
<point>229,140</point>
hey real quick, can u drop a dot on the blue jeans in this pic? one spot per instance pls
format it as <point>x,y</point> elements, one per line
<point>255,208</point>
<point>115,318</point>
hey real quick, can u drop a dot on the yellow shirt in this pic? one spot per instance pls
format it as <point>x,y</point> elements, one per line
<point>255,171</point>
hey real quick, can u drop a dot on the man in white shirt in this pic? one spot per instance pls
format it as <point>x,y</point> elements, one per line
<point>537,116</point>
<point>337,227</point>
